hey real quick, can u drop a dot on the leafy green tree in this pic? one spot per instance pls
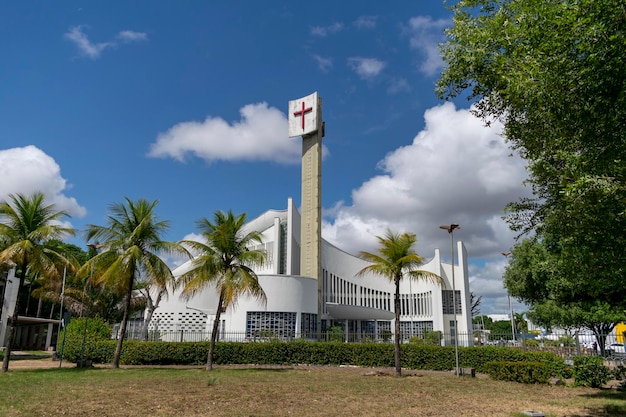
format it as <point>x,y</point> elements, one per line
<point>501,329</point>
<point>486,320</point>
<point>396,259</point>
<point>552,72</point>
<point>50,288</point>
<point>26,224</point>
<point>535,275</point>
<point>131,243</point>
<point>224,261</point>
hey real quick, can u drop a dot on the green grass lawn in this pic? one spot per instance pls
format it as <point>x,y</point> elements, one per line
<point>286,391</point>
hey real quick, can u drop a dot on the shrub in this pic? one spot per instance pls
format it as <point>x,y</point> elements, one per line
<point>524,372</point>
<point>430,338</point>
<point>619,373</point>
<point>335,334</point>
<point>589,371</point>
<point>75,333</point>
<point>532,343</point>
<point>386,335</point>
<point>433,338</point>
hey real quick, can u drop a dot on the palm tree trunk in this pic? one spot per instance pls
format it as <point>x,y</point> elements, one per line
<point>122,335</point>
<point>13,322</point>
<point>216,324</point>
<point>396,302</point>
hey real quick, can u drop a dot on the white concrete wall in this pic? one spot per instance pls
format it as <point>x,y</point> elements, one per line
<point>294,293</point>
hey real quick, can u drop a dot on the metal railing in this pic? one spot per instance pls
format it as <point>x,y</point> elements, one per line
<point>564,344</point>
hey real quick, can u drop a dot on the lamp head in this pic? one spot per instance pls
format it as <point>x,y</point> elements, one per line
<point>450,228</point>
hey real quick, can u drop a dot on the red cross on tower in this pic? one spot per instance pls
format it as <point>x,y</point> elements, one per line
<point>303,112</point>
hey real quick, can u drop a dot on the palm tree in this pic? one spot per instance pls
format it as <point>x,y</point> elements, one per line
<point>130,243</point>
<point>26,225</point>
<point>224,260</point>
<point>395,260</point>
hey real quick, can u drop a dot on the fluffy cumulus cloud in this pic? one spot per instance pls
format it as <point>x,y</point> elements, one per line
<point>27,170</point>
<point>366,68</point>
<point>93,50</point>
<point>486,282</point>
<point>456,170</point>
<point>260,135</point>
<point>425,34</point>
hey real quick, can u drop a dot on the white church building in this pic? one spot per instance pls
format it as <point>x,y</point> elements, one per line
<point>362,307</point>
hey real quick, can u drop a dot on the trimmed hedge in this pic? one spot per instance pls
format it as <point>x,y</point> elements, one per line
<point>413,356</point>
<point>524,372</point>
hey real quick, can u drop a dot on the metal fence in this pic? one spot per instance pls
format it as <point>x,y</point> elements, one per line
<point>564,344</point>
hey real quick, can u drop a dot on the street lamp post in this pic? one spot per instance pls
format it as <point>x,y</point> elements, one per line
<point>506,255</point>
<point>450,228</point>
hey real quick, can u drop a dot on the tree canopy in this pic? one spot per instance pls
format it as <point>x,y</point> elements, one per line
<point>27,224</point>
<point>131,243</point>
<point>553,73</point>
<point>224,260</point>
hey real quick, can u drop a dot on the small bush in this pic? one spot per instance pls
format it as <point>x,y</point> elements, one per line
<point>335,334</point>
<point>589,371</point>
<point>89,330</point>
<point>619,373</point>
<point>524,372</point>
<point>386,335</point>
<point>430,338</point>
<point>532,343</point>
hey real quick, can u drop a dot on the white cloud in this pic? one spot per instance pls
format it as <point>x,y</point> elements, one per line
<point>366,68</point>
<point>323,63</point>
<point>27,170</point>
<point>323,31</point>
<point>94,50</point>
<point>455,171</point>
<point>85,46</point>
<point>260,135</point>
<point>131,36</point>
<point>486,281</point>
<point>365,22</point>
<point>425,34</point>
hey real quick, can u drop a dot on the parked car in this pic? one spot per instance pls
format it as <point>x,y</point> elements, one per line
<point>616,348</point>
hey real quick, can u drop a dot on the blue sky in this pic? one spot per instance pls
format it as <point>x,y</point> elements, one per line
<point>186,102</point>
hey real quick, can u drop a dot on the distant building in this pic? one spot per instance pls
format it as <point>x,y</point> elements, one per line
<point>33,333</point>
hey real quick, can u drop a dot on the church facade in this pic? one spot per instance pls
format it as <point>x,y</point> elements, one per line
<point>360,307</point>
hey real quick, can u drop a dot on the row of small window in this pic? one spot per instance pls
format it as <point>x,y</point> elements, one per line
<point>338,290</point>
<point>270,324</point>
<point>448,299</point>
<point>266,324</point>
